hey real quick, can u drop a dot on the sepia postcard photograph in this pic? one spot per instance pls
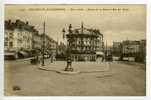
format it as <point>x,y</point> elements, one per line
<point>75,50</point>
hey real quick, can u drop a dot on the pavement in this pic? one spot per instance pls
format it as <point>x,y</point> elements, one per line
<point>120,80</point>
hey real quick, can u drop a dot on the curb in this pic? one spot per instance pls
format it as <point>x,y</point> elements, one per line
<point>74,72</point>
<point>68,72</point>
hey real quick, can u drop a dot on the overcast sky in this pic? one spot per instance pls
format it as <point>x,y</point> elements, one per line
<point>129,23</point>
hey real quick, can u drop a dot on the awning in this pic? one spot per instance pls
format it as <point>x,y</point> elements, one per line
<point>9,54</point>
<point>99,53</point>
<point>23,53</point>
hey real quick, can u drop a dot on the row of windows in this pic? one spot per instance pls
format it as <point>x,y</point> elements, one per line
<point>8,44</point>
<point>85,43</point>
<point>83,57</point>
<point>11,44</point>
<point>84,39</point>
<point>83,48</point>
<point>19,34</point>
<point>24,34</point>
<point>6,33</point>
<point>10,37</point>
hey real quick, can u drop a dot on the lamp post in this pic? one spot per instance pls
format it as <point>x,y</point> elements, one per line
<point>68,53</point>
<point>43,47</point>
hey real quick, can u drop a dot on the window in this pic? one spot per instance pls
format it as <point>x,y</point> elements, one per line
<point>11,33</point>
<point>6,38</point>
<point>79,42</point>
<point>10,36</point>
<point>6,34</point>
<point>11,44</point>
<point>5,43</point>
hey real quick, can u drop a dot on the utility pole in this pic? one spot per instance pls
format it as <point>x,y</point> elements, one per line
<point>43,49</point>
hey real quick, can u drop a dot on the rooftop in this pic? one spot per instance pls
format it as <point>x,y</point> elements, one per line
<point>84,31</point>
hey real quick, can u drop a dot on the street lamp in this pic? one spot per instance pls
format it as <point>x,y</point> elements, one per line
<point>68,53</point>
<point>43,47</point>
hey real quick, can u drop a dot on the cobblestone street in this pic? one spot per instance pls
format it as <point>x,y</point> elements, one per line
<point>119,80</point>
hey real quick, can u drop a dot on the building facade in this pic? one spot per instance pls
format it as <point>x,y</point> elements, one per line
<point>127,48</point>
<point>83,43</point>
<point>18,37</point>
<point>22,40</point>
<point>130,48</point>
<point>37,43</point>
<point>50,47</point>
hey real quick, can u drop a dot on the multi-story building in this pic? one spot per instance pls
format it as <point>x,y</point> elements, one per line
<point>50,47</point>
<point>18,38</point>
<point>37,42</point>
<point>22,39</point>
<point>130,48</point>
<point>133,49</point>
<point>83,43</point>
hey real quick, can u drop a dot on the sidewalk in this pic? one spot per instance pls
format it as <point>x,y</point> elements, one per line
<point>79,67</point>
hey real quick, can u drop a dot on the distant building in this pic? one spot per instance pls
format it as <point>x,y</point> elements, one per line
<point>128,48</point>
<point>61,51</point>
<point>83,43</point>
<point>50,46</point>
<point>61,48</point>
<point>117,49</point>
